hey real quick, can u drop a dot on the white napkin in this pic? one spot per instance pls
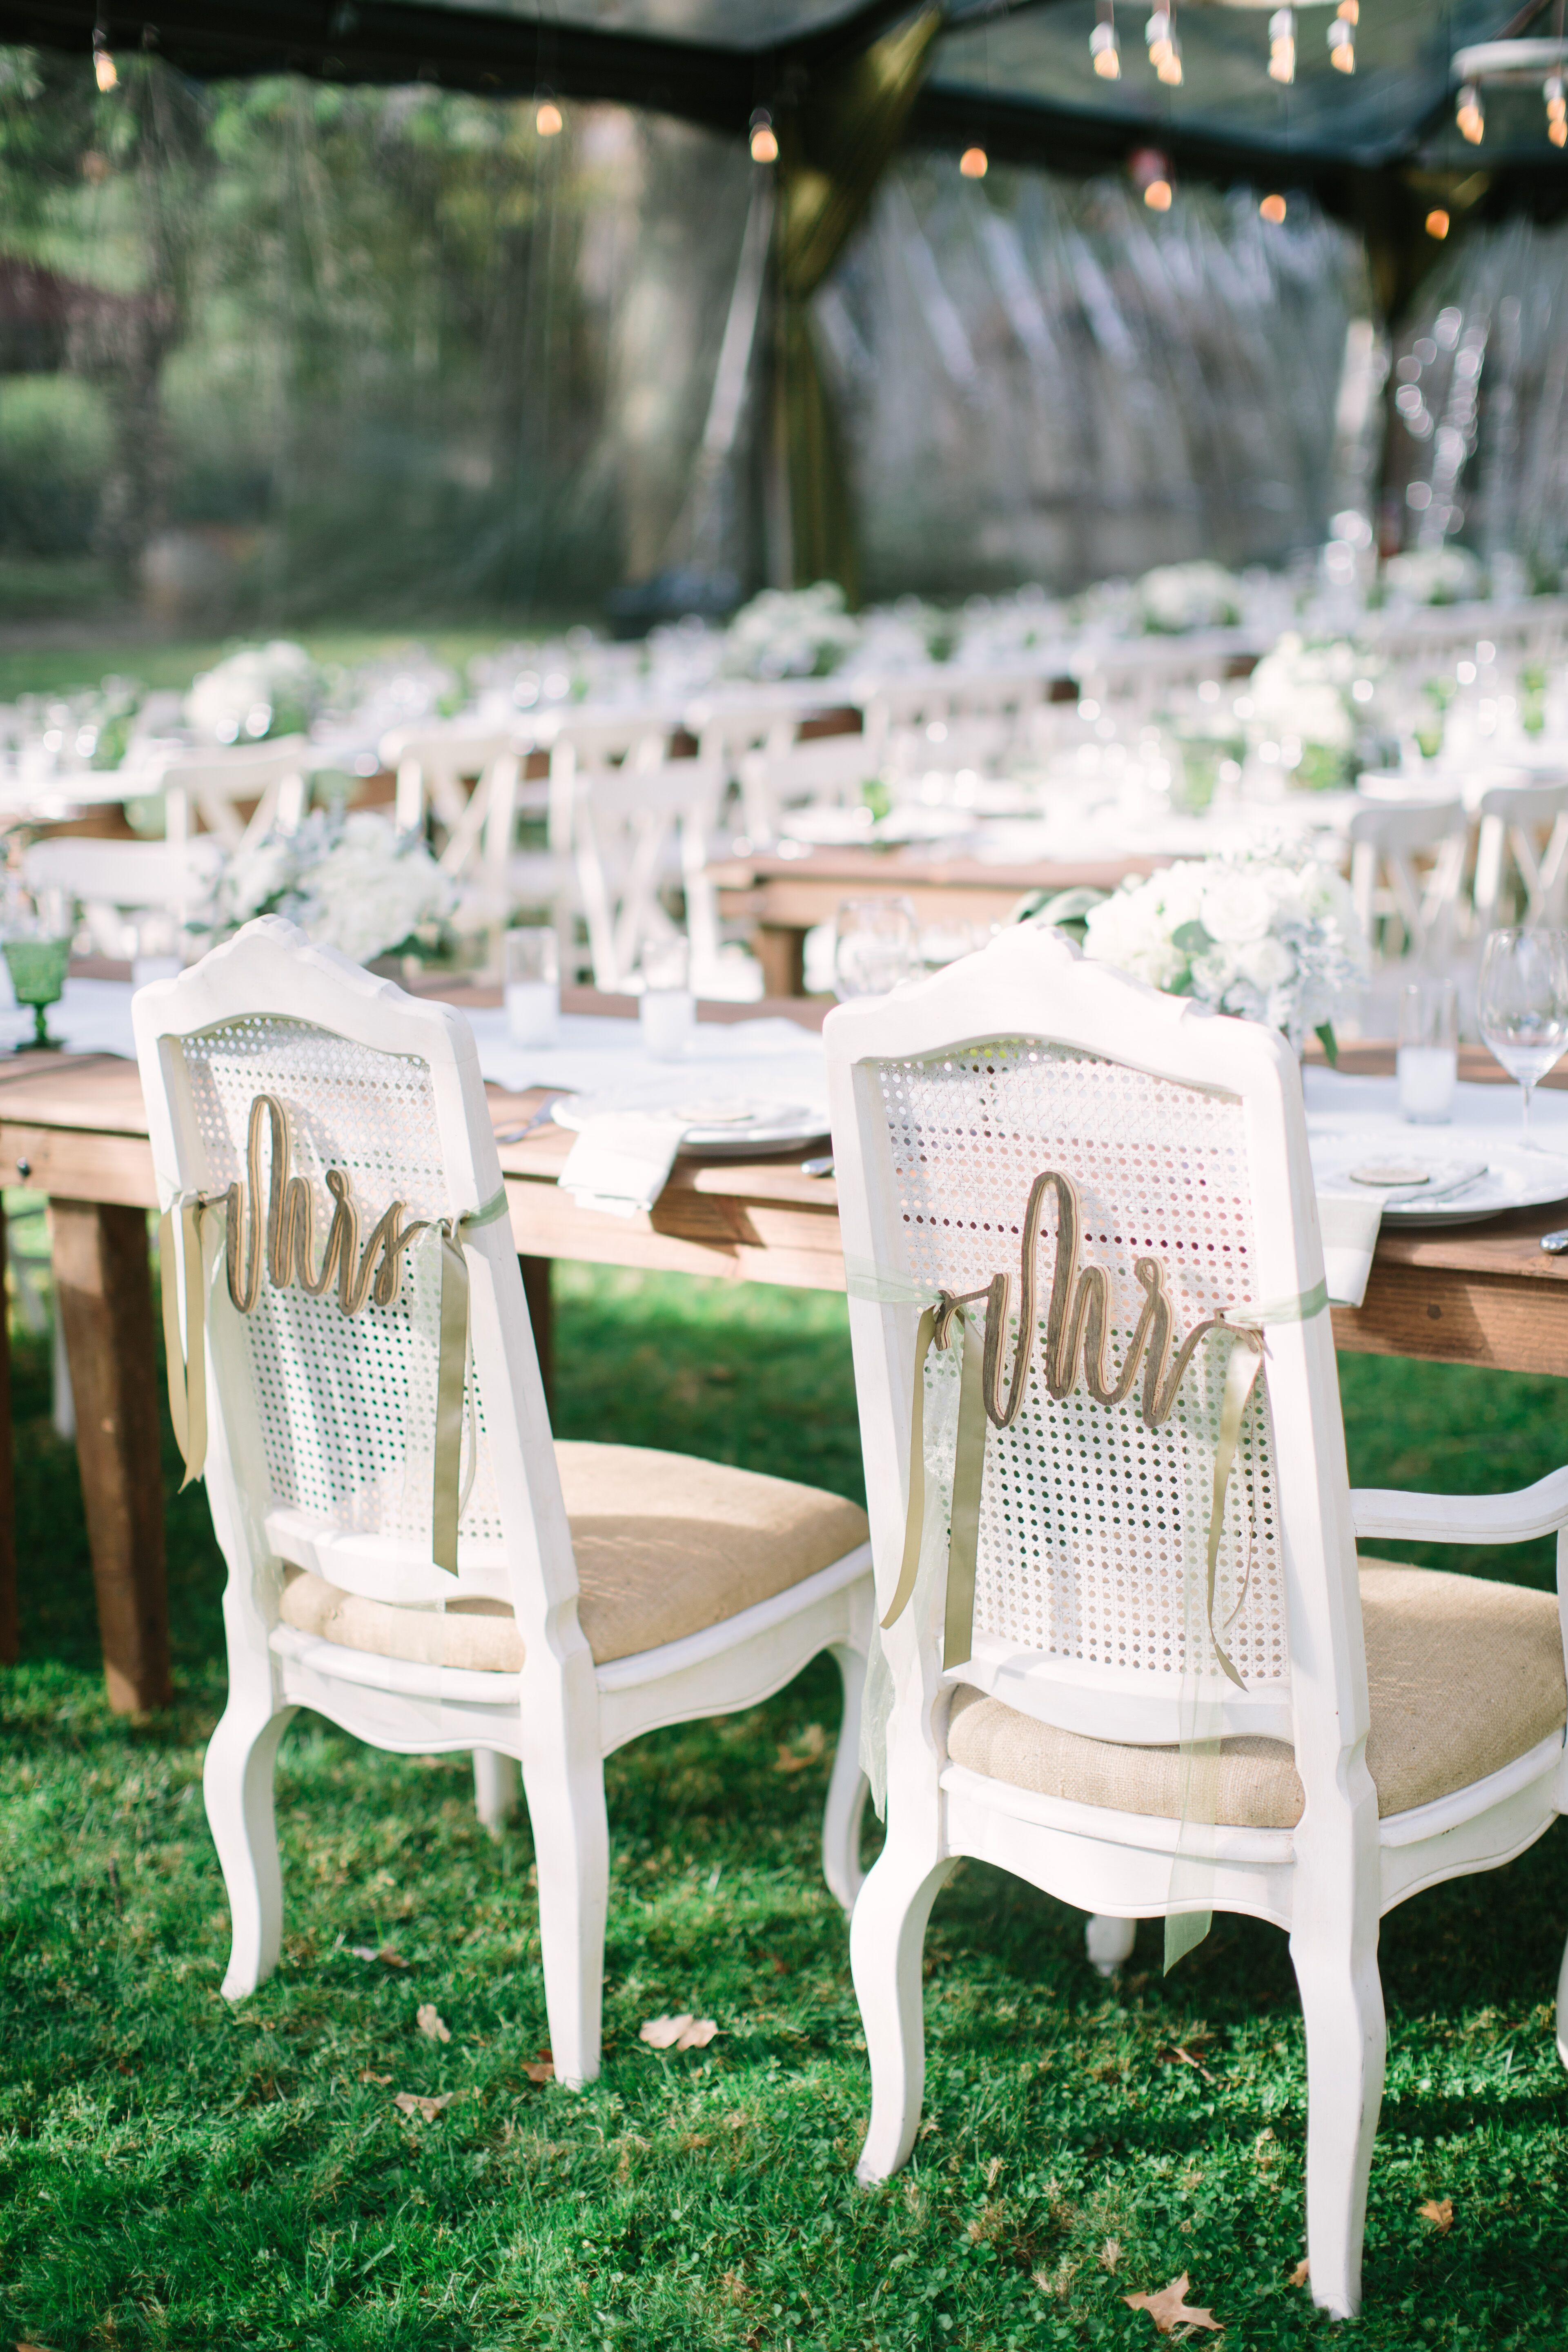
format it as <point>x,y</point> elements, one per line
<point>1349,1222</point>
<point>620,1160</point>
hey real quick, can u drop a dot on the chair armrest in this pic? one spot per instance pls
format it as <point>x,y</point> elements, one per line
<point>1538,1510</point>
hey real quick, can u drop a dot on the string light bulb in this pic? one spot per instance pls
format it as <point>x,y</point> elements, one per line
<point>975,163</point>
<point>1437,225</point>
<point>104,70</point>
<point>548,120</point>
<point>1471,115</point>
<point>1282,46</point>
<point>1556,111</point>
<point>1341,37</point>
<point>1157,195</point>
<point>1273,208</point>
<point>1169,69</point>
<point>765,138</point>
<point>1104,49</point>
<point>1157,34</point>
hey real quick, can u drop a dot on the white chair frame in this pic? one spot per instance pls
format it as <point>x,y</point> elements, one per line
<point>1512,818</point>
<point>112,879</point>
<point>207,784</point>
<point>560,1715</point>
<point>633,827</point>
<point>1385,837</point>
<point>1327,1881</point>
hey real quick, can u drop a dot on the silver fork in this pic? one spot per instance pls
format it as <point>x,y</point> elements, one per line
<point>516,1134</point>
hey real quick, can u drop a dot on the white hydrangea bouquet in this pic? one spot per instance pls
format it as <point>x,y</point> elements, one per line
<point>353,882</point>
<point>1176,597</point>
<point>1305,706</point>
<point>256,692</point>
<point>791,633</point>
<point>1269,933</point>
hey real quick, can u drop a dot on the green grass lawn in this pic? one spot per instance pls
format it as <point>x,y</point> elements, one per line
<point>170,662</point>
<point>173,2172</point>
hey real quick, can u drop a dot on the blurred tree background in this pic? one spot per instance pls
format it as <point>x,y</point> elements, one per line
<point>283,353</point>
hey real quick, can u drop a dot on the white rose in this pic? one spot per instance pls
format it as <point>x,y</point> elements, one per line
<point>1265,963</point>
<point>1236,909</point>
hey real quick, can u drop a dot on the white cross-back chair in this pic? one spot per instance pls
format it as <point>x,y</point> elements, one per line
<point>1528,823</point>
<point>118,881</point>
<point>1386,837</point>
<point>1382,1734</point>
<point>637,831</point>
<point>408,1553</point>
<point>454,773</point>
<point>830,771</point>
<point>945,691</point>
<point>214,784</point>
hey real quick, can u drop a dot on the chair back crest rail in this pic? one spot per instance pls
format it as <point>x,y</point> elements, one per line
<point>341,1128</point>
<point>1144,1161</point>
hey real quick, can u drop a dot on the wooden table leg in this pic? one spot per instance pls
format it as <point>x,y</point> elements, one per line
<point>542,1314</point>
<point>781,950</point>
<point>10,1640</point>
<point>104,1297</point>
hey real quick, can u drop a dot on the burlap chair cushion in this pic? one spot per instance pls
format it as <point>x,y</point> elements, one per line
<point>666,1545</point>
<point>1463,1676</point>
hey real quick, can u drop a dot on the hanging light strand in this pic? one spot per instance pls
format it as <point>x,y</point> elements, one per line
<point>1104,49</point>
<point>1282,46</point>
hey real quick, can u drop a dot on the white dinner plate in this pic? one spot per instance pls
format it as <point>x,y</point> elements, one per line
<point>1511,1177</point>
<point>722,1126</point>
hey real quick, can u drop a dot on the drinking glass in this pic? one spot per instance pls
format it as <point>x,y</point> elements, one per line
<point>1522,1005</point>
<point>1428,1059</point>
<point>875,945</point>
<point>666,1009</point>
<point>532,979</point>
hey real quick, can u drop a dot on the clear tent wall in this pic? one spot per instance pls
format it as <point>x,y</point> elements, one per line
<point>274,351</point>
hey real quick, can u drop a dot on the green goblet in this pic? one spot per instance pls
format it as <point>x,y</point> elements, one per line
<point>38,970</point>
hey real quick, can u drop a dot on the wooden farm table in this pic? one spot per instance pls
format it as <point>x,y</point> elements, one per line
<point>785,896</point>
<point>76,1130</point>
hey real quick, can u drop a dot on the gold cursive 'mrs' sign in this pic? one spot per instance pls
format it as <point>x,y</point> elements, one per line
<point>289,1236</point>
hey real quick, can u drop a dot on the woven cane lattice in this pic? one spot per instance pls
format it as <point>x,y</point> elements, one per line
<point>1093,1526</point>
<point>345,1404</point>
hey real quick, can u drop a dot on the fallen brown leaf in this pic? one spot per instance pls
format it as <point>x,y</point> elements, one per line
<point>682,2032</point>
<point>808,1749</point>
<point>1169,2308</point>
<point>411,2103</point>
<point>1110,2253</point>
<point>540,2069</point>
<point>369,2074</point>
<point>1301,2273</point>
<point>1439,2212</point>
<point>386,1956</point>
<point>430,2022</point>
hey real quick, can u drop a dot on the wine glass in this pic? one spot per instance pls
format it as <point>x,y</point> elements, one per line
<point>1522,1005</point>
<point>36,946</point>
<point>874,946</point>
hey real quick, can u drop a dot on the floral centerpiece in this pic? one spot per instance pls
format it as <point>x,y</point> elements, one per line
<point>1432,575</point>
<point>1175,597</point>
<point>1269,933</point>
<point>791,633</point>
<point>353,882</point>
<point>260,691</point>
<point>1303,707</point>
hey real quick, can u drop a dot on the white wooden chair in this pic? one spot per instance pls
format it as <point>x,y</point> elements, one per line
<point>1384,1735</point>
<point>214,784</point>
<point>636,830</point>
<point>1528,823</point>
<point>828,772</point>
<point>1386,837</point>
<point>118,881</point>
<point>587,1592</point>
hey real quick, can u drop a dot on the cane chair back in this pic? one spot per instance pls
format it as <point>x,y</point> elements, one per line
<point>1093,1526</point>
<point>325,1425</point>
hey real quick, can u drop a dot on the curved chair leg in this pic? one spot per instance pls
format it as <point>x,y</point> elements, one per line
<point>1563,2010</point>
<point>1342,2004</point>
<point>497,1789</point>
<point>1109,1941</point>
<point>847,1787</point>
<point>887,1936</point>
<point>571,1854</point>
<point>236,1782</point>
